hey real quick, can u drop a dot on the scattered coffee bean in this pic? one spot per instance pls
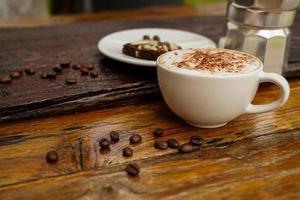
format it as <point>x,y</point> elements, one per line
<point>57,69</point>
<point>43,75</point>
<point>156,37</point>
<point>146,37</point>
<point>114,136</point>
<point>52,157</point>
<point>65,64</point>
<point>196,140</point>
<point>104,143</point>
<point>20,70</point>
<point>158,132</point>
<point>134,139</point>
<point>51,75</point>
<point>160,145</point>
<point>127,152</point>
<point>172,143</point>
<point>76,66</point>
<point>84,71</point>
<point>15,75</point>
<point>29,70</point>
<point>94,74</point>
<point>90,66</point>
<point>186,148</point>
<point>71,79</point>
<point>5,79</point>
<point>132,169</point>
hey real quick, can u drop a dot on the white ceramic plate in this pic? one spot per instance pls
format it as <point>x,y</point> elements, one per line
<point>112,44</point>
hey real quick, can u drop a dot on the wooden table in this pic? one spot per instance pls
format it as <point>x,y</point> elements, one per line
<point>254,156</point>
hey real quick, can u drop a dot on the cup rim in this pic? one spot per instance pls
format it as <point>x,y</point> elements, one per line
<point>192,73</point>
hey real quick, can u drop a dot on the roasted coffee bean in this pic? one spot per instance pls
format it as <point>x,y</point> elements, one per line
<point>172,143</point>
<point>158,132</point>
<point>65,64</point>
<point>51,75</point>
<point>134,139</point>
<point>114,136</point>
<point>94,74</point>
<point>160,145</point>
<point>186,148</point>
<point>71,79</point>
<point>132,169</point>
<point>196,140</point>
<point>127,152</point>
<point>29,70</point>
<point>156,37</point>
<point>20,70</point>
<point>52,157</point>
<point>146,37</point>
<point>75,66</point>
<point>5,79</point>
<point>104,143</point>
<point>84,71</point>
<point>43,75</point>
<point>90,66</point>
<point>57,69</point>
<point>15,75</point>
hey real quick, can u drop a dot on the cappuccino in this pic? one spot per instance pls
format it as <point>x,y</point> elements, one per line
<point>210,61</point>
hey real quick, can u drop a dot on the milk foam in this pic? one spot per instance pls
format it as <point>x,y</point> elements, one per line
<point>218,61</point>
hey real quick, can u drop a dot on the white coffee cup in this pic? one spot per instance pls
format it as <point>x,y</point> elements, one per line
<point>210,100</point>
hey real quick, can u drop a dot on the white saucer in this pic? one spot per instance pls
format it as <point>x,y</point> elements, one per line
<point>112,44</point>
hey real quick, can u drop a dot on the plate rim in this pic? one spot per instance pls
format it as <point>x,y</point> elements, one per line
<point>137,61</point>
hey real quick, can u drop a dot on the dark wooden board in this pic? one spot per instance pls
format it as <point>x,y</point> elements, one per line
<point>118,82</point>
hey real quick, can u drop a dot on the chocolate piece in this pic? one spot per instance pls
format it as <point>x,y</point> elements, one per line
<point>148,49</point>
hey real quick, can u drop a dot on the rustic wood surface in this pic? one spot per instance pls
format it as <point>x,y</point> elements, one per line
<point>118,83</point>
<point>254,156</point>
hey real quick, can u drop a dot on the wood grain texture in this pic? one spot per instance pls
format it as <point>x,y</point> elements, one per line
<point>118,83</point>
<point>254,155</point>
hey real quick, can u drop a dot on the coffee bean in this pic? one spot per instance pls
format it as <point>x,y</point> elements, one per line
<point>172,143</point>
<point>132,169</point>
<point>43,75</point>
<point>158,132</point>
<point>127,152</point>
<point>52,157</point>
<point>71,79</point>
<point>186,148</point>
<point>65,64</point>
<point>90,66</point>
<point>146,37</point>
<point>57,69</point>
<point>84,71</point>
<point>94,74</point>
<point>196,140</point>
<point>134,139</point>
<point>75,66</point>
<point>15,75</point>
<point>114,136</point>
<point>156,37</point>
<point>20,70</point>
<point>29,70</point>
<point>51,75</point>
<point>104,143</point>
<point>160,145</point>
<point>5,79</point>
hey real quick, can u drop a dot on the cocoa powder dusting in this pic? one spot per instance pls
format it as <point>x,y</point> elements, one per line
<point>215,61</point>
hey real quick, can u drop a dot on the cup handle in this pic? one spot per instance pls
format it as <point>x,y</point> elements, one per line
<point>282,83</point>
